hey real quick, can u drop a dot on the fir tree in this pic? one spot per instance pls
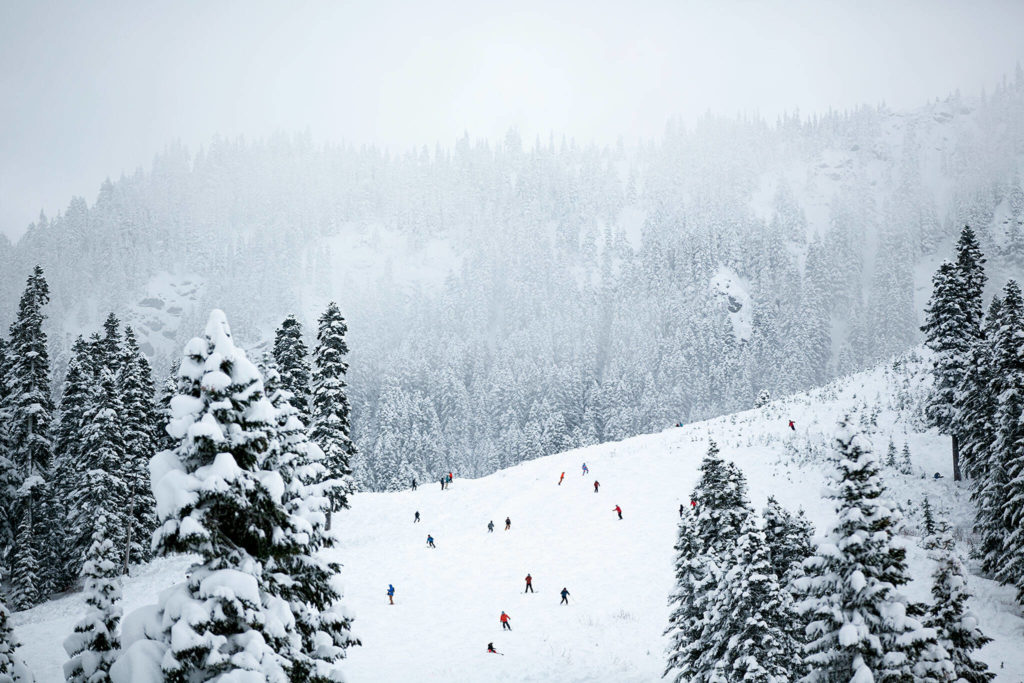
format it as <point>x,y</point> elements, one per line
<point>330,428</point>
<point>108,348</point>
<point>975,403</point>
<point>721,495</point>
<point>218,499</point>
<point>12,668</point>
<point>927,517</point>
<point>1008,449</point>
<point>890,457</point>
<point>168,391</point>
<point>789,537</point>
<point>859,625</point>
<point>956,628</point>
<point>906,465</point>
<point>138,425</point>
<point>101,489</point>
<point>25,578</point>
<point>93,646</point>
<point>291,358</point>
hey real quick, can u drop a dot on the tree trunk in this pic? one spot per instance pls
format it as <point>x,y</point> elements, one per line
<point>956,458</point>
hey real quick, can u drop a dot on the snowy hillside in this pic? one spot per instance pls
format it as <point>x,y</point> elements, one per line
<point>619,573</point>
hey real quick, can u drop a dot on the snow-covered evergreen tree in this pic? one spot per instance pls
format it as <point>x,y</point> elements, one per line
<point>859,628</point>
<point>12,668</point>
<point>93,646</point>
<point>25,575</point>
<point>292,359</point>
<point>721,495</point>
<point>139,424</point>
<point>330,428</point>
<point>1008,449</point>
<point>906,464</point>
<point>890,455</point>
<point>789,537</point>
<point>955,626</point>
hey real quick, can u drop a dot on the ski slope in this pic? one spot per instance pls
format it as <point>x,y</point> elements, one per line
<point>619,573</point>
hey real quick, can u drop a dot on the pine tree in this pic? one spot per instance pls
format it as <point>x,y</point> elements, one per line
<point>218,499</point>
<point>291,358</point>
<point>1008,449</point>
<point>956,628</point>
<point>168,391</point>
<point>12,668</point>
<point>101,489</point>
<point>330,428</point>
<point>859,625</point>
<point>975,404</point>
<point>928,517</point>
<point>93,646</point>
<point>301,577</point>
<point>789,537</point>
<point>108,348</point>
<point>906,465</point>
<point>138,426</point>
<point>890,458</point>
<point>25,578</point>
<point>721,495</point>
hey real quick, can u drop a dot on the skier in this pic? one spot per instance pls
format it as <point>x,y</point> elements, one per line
<point>693,503</point>
<point>561,478</point>
<point>490,527</point>
<point>565,596</point>
<point>414,483</point>
<point>681,508</point>
<point>490,648</point>
<point>442,483</point>
<point>529,584</point>
<point>792,425</point>
<point>596,484</point>
<point>417,517</point>
<point>430,541</point>
<point>449,477</point>
<point>619,510</point>
<point>508,524</point>
<point>391,594</point>
<point>586,470</point>
<point>505,626</point>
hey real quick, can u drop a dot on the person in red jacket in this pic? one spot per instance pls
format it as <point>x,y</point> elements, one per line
<point>561,478</point>
<point>618,510</point>
<point>792,425</point>
<point>505,626</point>
<point>529,584</point>
<point>596,484</point>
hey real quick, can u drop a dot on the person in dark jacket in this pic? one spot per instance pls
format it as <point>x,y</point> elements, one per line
<point>529,584</point>
<point>414,483</point>
<point>490,526</point>
<point>596,484</point>
<point>417,517</point>
<point>508,523</point>
<point>565,596</point>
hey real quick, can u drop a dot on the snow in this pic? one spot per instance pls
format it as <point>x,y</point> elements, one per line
<point>620,573</point>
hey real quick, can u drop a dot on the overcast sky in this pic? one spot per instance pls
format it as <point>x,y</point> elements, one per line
<point>94,89</point>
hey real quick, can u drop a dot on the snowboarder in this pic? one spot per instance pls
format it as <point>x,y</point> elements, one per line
<point>505,626</point>
<point>596,484</point>
<point>508,524</point>
<point>618,510</point>
<point>565,596</point>
<point>561,478</point>
<point>529,584</point>
<point>490,527</point>
<point>417,518</point>
<point>414,483</point>
<point>792,425</point>
<point>391,594</point>
<point>586,470</point>
<point>430,541</point>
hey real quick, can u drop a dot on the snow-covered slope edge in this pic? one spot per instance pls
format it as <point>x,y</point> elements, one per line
<point>619,573</point>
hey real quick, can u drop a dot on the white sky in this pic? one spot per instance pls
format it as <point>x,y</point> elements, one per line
<point>94,89</point>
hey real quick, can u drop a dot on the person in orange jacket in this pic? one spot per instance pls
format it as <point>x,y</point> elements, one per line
<point>505,626</point>
<point>561,478</point>
<point>618,510</point>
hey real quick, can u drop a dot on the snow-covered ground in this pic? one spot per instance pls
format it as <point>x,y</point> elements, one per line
<point>619,573</point>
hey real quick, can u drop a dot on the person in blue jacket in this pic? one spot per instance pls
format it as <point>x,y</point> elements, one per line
<point>430,541</point>
<point>391,594</point>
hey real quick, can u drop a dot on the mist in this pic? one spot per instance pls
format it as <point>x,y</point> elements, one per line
<point>94,90</point>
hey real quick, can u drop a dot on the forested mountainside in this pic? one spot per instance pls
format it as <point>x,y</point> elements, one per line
<point>508,300</point>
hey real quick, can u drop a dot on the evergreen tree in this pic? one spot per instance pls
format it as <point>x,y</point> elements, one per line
<point>330,427</point>
<point>928,517</point>
<point>139,423</point>
<point>1008,449</point>
<point>890,457</point>
<point>12,668</point>
<point>25,578</point>
<point>301,577</point>
<point>956,628</point>
<point>291,358</point>
<point>721,495</point>
<point>975,403</point>
<point>906,465</point>
<point>93,646</point>
<point>859,625</point>
<point>748,630</point>
<point>220,498</point>
<point>108,348</point>
<point>789,537</point>
<point>168,391</point>
<point>101,490</point>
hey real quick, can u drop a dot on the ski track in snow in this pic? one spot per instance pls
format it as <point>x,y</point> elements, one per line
<point>619,573</point>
